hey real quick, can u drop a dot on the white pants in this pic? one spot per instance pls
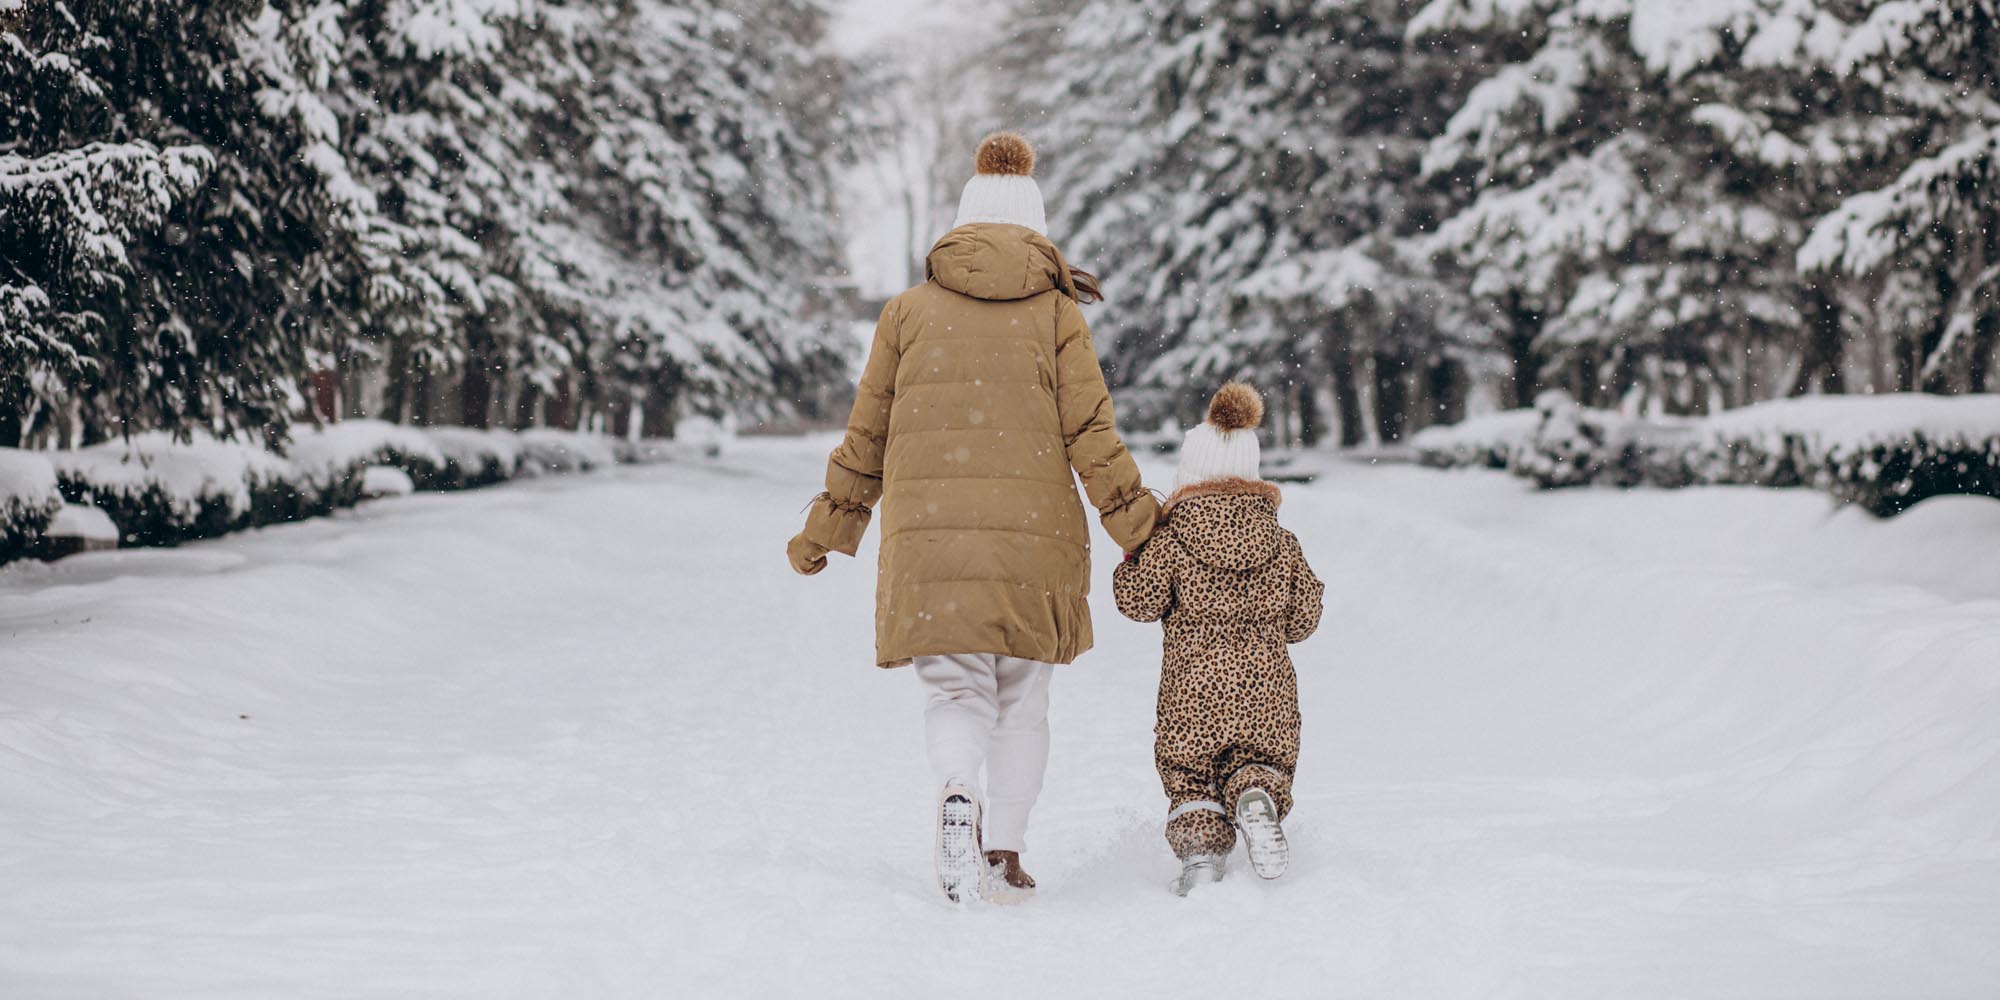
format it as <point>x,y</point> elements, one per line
<point>991,710</point>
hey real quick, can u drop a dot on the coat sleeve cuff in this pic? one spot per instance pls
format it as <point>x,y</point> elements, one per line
<point>836,525</point>
<point>1129,519</point>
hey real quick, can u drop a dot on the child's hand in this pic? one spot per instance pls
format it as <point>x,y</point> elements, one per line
<point>807,556</point>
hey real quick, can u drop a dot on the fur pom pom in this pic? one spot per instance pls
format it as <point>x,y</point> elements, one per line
<point>1236,407</point>
<point>1005,153</point>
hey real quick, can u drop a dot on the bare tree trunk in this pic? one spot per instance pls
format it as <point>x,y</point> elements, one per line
<point>1392,398</point>
<point>1524,326</point>
<point>396,394</point>
<point>422,392</point>
<point>1310,430</point>
<point>1578,380</point>
<point>658,421</point>
<point>527,404</point>
<point>1346,390</point>
<point>618,416</point>
<point>561,409</point>
<point>1986,326</point>
<point>447,397</point>
<point>1939,378</point>
<point>323,394</point>
<point>1822,362</point>
<point>1907,362</point>
<point>1444,392</point>
<point>353,385</point>
<point>1734,374</point>
<point>475,394</point>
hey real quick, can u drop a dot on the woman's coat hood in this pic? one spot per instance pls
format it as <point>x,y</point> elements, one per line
<point>998,262</point>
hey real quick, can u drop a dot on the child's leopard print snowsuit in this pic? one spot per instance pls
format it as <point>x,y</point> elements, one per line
<point>1233,589</point>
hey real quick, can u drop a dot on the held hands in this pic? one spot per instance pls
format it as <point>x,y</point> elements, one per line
<point>807,556</point>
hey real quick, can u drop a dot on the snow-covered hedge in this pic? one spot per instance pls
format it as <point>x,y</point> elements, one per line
<point>473,457</point>
<point>1574,446</point>
<point>1484,441</point>
<point>1884,452</point>
<point>29,498</point>
<point>546,450</point>
<point>162,492</point>
<point>336,454</point>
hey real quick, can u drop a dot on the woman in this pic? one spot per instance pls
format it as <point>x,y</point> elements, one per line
<point>982,392</point>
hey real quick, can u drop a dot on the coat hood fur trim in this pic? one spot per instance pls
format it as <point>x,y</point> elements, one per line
<point>1227,486</point>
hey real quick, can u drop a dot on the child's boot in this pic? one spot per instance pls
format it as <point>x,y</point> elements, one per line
<point>1261,794</point>
<point>1199,868</point>
<point>1263,837</point>
<point>1199,833</point>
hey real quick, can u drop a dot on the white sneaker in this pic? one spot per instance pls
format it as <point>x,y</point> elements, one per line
<point>961,864</point>
<point>1263,838</point>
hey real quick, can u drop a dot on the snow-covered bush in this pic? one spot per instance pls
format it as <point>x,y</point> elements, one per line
<point>1884,453</point>
<point>79,528</point>
<point>340,451</point>
<point>1481,442</point>
<point>659,451</point>
<point>161,492</point>
<point>547,450</point>
<point>474,457</point>
<point>29,498</point>
<point>1574,446</point>
<point>385,481</point>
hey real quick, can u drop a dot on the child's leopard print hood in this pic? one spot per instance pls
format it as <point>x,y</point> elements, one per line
<point>1227,523</point>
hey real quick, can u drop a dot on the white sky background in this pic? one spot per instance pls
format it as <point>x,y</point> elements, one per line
<point>877,244</point>
<point>858,24</point>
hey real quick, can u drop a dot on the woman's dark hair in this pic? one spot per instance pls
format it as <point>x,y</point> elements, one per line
<point>1087,289</point>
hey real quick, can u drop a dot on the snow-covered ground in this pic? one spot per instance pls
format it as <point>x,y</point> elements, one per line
<point>590,737</point>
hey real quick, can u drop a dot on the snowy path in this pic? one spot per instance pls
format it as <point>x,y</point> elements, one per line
<point>591,738</point>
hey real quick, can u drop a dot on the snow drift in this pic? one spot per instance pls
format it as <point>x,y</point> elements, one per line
<point>542,741</point>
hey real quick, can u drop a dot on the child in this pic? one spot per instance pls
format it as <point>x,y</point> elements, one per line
<point>1233,589</point>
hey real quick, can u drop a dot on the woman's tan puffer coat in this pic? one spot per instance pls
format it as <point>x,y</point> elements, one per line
<point>982,392</point>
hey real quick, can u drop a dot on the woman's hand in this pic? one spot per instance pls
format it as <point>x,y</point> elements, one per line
<point>807,556</point>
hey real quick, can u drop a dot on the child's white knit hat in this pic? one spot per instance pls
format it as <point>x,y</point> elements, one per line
<point>1224,445</point>
<point>1003,188</point>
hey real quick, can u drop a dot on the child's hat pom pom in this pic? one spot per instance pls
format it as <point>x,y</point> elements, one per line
<point>1236,407</point>
<point>1005,153</point>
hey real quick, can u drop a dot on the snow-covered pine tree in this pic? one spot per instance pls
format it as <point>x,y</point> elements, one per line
<point>465,289</point>
<point>1804,135</point>
<point>706,195</point>
<point>160,234</point>
<point>1238,173</point>
<point>69,215</point>
<point>1935,226</point>
<point>1622,244</point>
<point>570,205</point>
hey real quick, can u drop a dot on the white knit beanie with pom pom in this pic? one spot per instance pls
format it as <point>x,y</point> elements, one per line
<point>1224,445</point>
<point>1003,188</point>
